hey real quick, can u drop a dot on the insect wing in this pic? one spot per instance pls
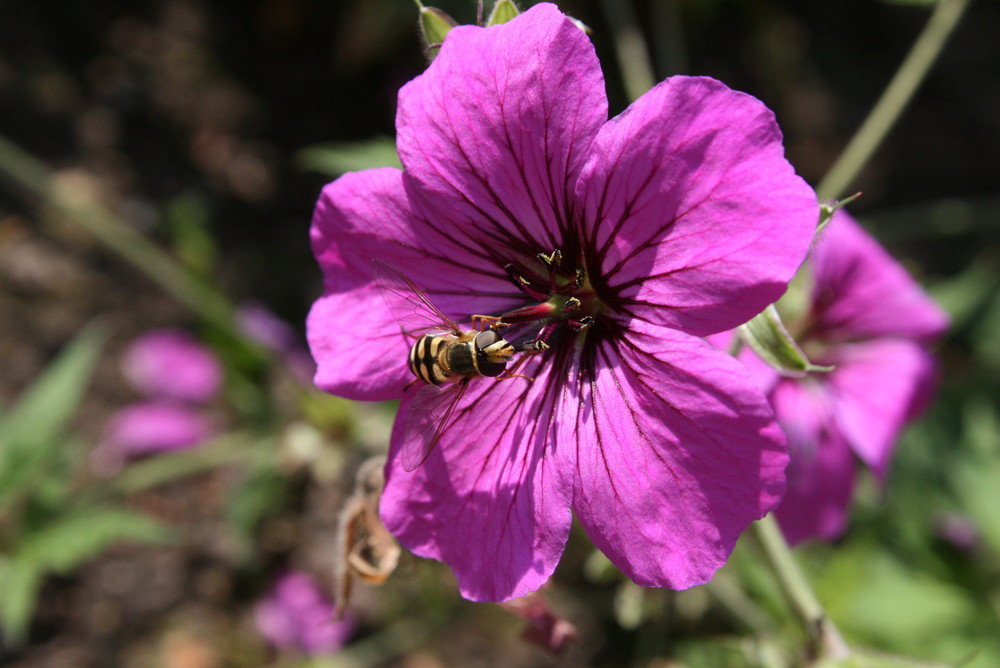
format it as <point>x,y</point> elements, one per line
<point>430,414</point>
<point>410,305</point>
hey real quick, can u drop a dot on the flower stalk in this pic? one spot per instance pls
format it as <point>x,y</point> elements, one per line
<point>825,638</point>
<point>204,300</point>
<point>895,98</point>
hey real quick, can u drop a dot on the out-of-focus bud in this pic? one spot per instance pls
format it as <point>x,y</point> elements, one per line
<point>503,11</point>
<point>545,628</point>
<point>766,334</point>
<point>434,26</point>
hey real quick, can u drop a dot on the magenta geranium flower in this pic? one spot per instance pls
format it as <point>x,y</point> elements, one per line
<point>296,615</point>
<point>171,364</point>
<point>873,323</point>
<point>148,428</point>
<point>620,243</point>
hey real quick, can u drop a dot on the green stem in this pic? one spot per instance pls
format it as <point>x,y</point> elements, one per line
<point>114,233</point>
<point>630,47</point>
<point>895,98</point>
<point>823,633</point>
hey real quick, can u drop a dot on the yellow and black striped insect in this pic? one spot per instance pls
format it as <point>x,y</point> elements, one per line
<point>444,357</point>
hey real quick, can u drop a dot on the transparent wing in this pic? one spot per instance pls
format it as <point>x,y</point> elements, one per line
<point>430,414</point>
<point>410,305</point>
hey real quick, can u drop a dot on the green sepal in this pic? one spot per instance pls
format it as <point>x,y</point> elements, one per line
<point>503,11</point>
<point>826,211</point>
<point>766,335</point>
<point>434,27</point>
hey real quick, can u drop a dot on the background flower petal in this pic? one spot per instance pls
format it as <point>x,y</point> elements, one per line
<point>677,453</point>
<point>821,471</point>
<point>499,124</point>
<point>488,501</point>
<point>862,292</point>
<point>695,216</point>
<point>148,428</point>
<point>879,385</point>
<point>171,364</point>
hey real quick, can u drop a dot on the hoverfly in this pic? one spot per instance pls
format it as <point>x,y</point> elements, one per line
<point>444,357</point>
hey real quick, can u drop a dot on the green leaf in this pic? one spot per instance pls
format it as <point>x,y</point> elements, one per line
<point>19,582</point>
<point>59,546</point>
<point>188,220</point>
<point>30,437</point>
<point>339,158</point>
<point>868,659</point>
<point>767,336</point>
<point>81,533</point>
<point>503,11</point>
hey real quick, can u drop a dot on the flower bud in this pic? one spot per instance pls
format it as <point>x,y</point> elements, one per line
<point>434,26</point>
<point>503,11</point>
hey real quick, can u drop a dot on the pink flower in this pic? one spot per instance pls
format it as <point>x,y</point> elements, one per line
<point>678,218</point>
<point>171,364</point>
<point>259,324</point>
<point>869,320</point>
<point>148,428</point>
<point>295,615</point>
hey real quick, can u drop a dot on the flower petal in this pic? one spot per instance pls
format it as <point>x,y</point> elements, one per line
<point>359,216</point>
<point>694,214</point>
<point>359,348</point>
<point>879,385</point>
<point>499,124</point>
<point>821,472</point>
<point>677,453</point>
<point>488,501</point>
<point>862,292</point>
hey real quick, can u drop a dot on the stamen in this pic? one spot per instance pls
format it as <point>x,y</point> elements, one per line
<point>552,259</point>
<point>523,284</point>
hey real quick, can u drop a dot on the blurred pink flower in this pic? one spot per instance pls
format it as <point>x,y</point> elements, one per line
<point>171,364</point>
<point>148,428</point>
<point>295,615</point>
<point>873,323</point>
<point>259,324</point>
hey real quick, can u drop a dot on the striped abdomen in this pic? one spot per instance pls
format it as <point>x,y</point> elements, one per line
<point>425,358</point>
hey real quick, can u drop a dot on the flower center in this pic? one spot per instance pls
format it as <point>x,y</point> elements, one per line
<point>564,296</point>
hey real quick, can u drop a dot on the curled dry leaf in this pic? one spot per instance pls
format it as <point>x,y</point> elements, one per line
<point>364,548</point>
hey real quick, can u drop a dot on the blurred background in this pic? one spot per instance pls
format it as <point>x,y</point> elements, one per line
<point>208,128</point>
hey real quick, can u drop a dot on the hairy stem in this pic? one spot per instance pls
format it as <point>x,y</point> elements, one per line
<point>823,633</point>
<point>895,98</point>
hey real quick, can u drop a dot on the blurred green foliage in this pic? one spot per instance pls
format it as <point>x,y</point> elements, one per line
<point>48,523</point>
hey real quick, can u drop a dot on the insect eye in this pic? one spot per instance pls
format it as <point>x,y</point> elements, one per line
<point>486,339</point>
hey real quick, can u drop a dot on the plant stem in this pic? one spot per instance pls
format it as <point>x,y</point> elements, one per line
<point>823,633</point>
<point>630,48</point>
<point>895,98</point>
<point>109,229</point>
